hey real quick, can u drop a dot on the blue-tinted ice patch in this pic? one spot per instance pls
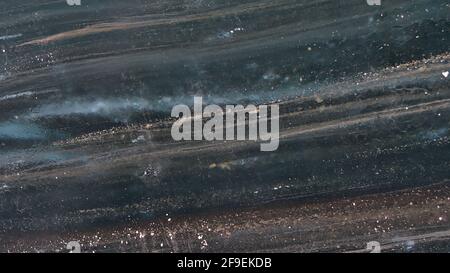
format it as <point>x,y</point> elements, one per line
<point>21,131</point>
<point>433,134</point>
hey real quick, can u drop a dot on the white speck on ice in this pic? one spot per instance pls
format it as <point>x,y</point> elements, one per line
<point>445,73</point>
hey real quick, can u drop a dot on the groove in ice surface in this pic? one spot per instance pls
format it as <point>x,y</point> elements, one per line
<point>8,37</point>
